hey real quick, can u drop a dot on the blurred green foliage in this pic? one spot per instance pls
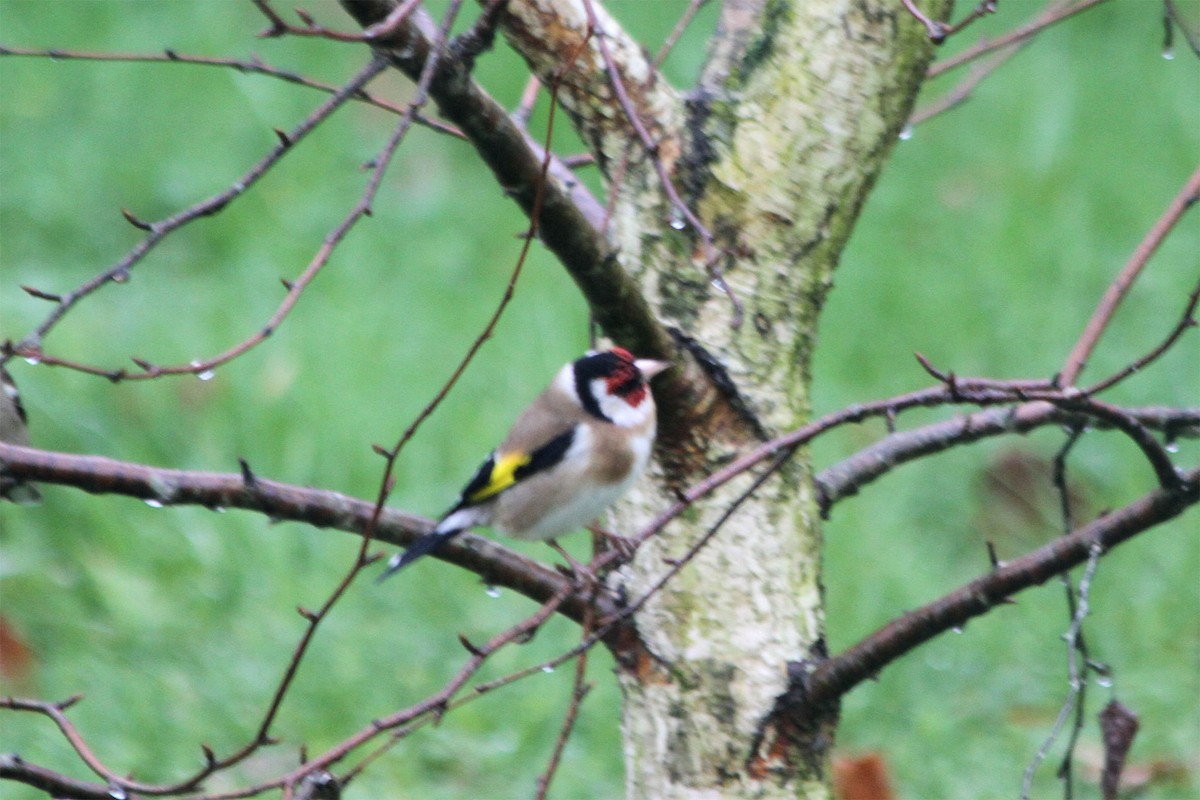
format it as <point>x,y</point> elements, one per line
<point>985,246</point>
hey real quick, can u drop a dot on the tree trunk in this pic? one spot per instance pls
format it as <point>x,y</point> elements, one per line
<point>798,107</point>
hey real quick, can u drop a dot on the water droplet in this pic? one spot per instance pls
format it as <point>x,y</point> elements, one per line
<point>677,221</point>
<point>219,509</point>
<point>117,793</point>
<point>1104,681</point>
<point>32,361</point>
<point>154,503</point>
<point>1169,53</point>
<point>206,375</point>
<point>906,133</point>
<point>547,668</point>
<point>239,187</point>
<point>1172,446</point>
<point>492,591</point>
<point>956,629</point>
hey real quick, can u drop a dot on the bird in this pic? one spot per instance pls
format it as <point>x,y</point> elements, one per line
<point>14,429</point>
<point>571,454</point>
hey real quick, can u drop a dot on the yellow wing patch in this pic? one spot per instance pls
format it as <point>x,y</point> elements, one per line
<point>503,475</point>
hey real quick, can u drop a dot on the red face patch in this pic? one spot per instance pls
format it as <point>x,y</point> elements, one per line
<point>625,381</point>
<point>623,354</point>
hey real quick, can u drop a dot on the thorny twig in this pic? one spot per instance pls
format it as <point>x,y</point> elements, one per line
<point>30,346</point>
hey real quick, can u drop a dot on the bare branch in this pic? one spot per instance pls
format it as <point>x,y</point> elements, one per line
<point>1082,350</point>
<point>579,690</point>
<point>846,478</point>
<point>1076,687</point>
<point>55,784</point>
<point>252,66</point>
<point>495,564</point>
<point>1056,12</point>
<point>30,346</point>
<point>837,675</point>
<point>614,297</point>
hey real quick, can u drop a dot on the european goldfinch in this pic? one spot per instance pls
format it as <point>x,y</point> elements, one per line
<point>576,449</point>
<point>14,429</point>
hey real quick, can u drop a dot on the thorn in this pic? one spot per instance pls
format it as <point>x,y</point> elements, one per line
<point>120,276</point>
<point>381,450</point>
<point>267,331</point>
<point>248,479</point>
<point>287,284</point>
<point>928,367</point>
<point>171,54</point>
<point>311,616</point>
<point>70,701</point>
<point>284,139</point>
<point>116,376</point>
<point>146,365</point>
<point>140,224</point>
<point>210,758</point>
<point>992,557</point>
<point>40,295</point>
<point>470,648</point>
<point>305,17</point>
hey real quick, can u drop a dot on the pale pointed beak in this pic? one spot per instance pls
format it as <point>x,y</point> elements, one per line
<point>650,367</point>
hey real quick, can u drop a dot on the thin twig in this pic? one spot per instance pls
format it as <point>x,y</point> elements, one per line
<point>253,66</point>
<point>681,25</point>
<point>1057,12</point>
<point>835,676</point>
<point>1095,550</point>
<point>1081,352</point>
<point>361,558</point>
<point>579,690</point>
<point>509,290</point>
<point>30,346</point>
<point>711,254</point>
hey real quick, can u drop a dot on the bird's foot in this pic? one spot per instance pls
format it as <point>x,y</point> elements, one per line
<point>603,541</point>
<point>579,574</point>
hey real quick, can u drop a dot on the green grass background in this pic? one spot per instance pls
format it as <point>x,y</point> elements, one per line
<point>985,246</point>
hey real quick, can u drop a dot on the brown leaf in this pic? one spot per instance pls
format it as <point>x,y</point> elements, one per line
<point>861,777</point>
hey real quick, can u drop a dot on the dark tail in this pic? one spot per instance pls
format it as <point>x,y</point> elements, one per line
<point>429,543</point>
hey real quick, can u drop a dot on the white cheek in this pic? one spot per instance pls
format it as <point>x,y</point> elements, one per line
<point>617,410</point>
